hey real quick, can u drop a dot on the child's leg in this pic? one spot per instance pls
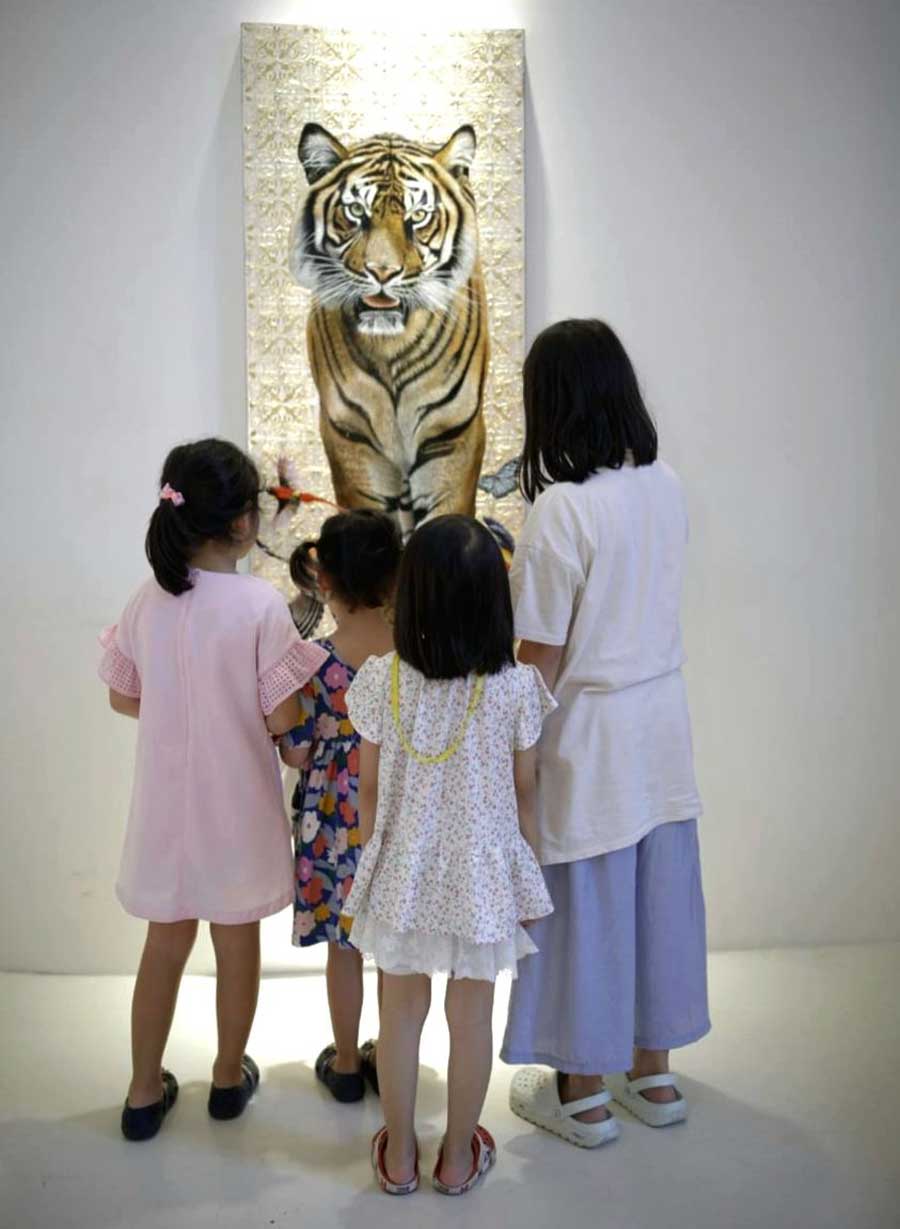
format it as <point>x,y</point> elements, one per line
<point>166,950</point>
<point>405,1003</point>
<point>344,979</point>
<point>652,1062</point>
<point>237,989</point>
<point>468,1006</point>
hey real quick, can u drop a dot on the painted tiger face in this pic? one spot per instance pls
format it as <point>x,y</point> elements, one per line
<point>387,226</point>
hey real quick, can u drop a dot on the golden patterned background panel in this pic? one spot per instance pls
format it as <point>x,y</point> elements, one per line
<point>422,86</point>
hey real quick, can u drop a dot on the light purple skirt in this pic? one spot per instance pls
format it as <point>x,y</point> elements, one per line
<point>621,960</point>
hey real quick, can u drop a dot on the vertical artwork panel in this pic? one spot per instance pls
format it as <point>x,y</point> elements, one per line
<point>384,251</point>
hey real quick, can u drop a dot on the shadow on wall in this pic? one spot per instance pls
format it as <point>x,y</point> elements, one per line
<point>535,220</point>
<point>219,207</point>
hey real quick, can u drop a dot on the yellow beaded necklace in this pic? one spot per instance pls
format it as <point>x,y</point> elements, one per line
<point>442,756</point>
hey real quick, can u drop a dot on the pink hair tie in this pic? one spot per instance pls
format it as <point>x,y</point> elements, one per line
<point>175,496</point>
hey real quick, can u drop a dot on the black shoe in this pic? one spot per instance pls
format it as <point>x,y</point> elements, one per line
<point>144,1122</point>
<point>369,1065</point>
<point>225,1103</point>
<point>343,1087</point>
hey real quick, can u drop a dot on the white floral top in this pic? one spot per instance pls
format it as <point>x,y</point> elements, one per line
<point>447,856</point>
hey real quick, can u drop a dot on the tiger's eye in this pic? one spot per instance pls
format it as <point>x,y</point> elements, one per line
<point>419,216</point>
<point>355,211</point>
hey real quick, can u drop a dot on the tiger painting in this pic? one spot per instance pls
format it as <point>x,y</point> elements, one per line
<point>387,241</point>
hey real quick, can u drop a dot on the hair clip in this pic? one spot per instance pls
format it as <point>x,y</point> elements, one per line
<point>176,497</point>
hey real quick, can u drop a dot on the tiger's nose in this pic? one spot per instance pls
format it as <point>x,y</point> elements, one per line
<point>383,273</point>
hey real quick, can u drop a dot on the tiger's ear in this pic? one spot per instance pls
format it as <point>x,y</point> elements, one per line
<point>458,153</point>
<point>319,152</point>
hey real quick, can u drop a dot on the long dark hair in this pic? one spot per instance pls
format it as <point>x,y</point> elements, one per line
<point>583,407</point>
<point>359,551</point>
<point>453,613</point>
<point>217,483</point>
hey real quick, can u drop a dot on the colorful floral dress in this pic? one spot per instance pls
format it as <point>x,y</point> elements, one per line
<point>325,818</point>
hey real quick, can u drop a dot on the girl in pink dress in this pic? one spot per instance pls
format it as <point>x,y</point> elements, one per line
<point>209,661</point>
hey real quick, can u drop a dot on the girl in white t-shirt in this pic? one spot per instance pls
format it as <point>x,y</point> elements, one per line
<point>620,978</point>
<point>449,724</point>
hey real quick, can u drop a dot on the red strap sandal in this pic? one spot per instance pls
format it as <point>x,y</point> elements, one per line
<point>387,1184</point>
<point>484,1154</point>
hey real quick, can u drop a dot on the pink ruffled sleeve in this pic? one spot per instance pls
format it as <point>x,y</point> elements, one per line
<point>285,662</point>
<point>117,669</point>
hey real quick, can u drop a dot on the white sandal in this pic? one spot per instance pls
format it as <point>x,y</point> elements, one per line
<point>534,1096</point>
<point>654,1114</point>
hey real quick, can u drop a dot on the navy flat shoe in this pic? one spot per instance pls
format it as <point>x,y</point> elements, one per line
<point>345,1087</point>
<point>225,1103</point>
<point>144,1122</point>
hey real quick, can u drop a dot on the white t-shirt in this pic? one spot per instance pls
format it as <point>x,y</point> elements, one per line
<point>598,569</point>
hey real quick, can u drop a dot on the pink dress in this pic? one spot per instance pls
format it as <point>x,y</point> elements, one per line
<point>207,834</point>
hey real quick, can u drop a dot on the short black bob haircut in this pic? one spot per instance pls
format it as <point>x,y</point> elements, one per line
<point>359,552</point>
<point>583,407</point>
<point>453,614</point>
<point>219,484</point>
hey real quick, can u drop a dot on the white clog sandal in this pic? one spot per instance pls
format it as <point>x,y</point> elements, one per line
<point>654,1114</point>
<point>534,1096</point>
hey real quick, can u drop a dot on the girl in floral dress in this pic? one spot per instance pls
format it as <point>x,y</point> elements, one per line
<point>449,726</point>
<point>353,564</point>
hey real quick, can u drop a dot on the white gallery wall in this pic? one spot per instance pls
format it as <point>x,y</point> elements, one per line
<point>719,179</point>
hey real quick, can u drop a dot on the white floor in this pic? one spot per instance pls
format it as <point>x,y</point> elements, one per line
<point>794,1118</point>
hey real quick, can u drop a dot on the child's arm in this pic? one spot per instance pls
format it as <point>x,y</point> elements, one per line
<point>295,755</point>
<point>369,756</point>
<point>525,776</point>
<point>547,658</point>
<point>284,717</point>
<point>296,745</point>
<point>128,706</point>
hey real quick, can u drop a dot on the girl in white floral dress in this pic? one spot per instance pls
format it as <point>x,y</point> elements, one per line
<point>449,726</point>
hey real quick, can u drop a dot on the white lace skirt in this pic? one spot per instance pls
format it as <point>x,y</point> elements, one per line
<point>415,951</point>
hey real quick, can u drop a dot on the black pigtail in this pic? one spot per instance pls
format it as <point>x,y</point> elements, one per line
<point>357,553</point>
<point>203,489</point>
<point>303,567</point>
<point>168,549</point>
